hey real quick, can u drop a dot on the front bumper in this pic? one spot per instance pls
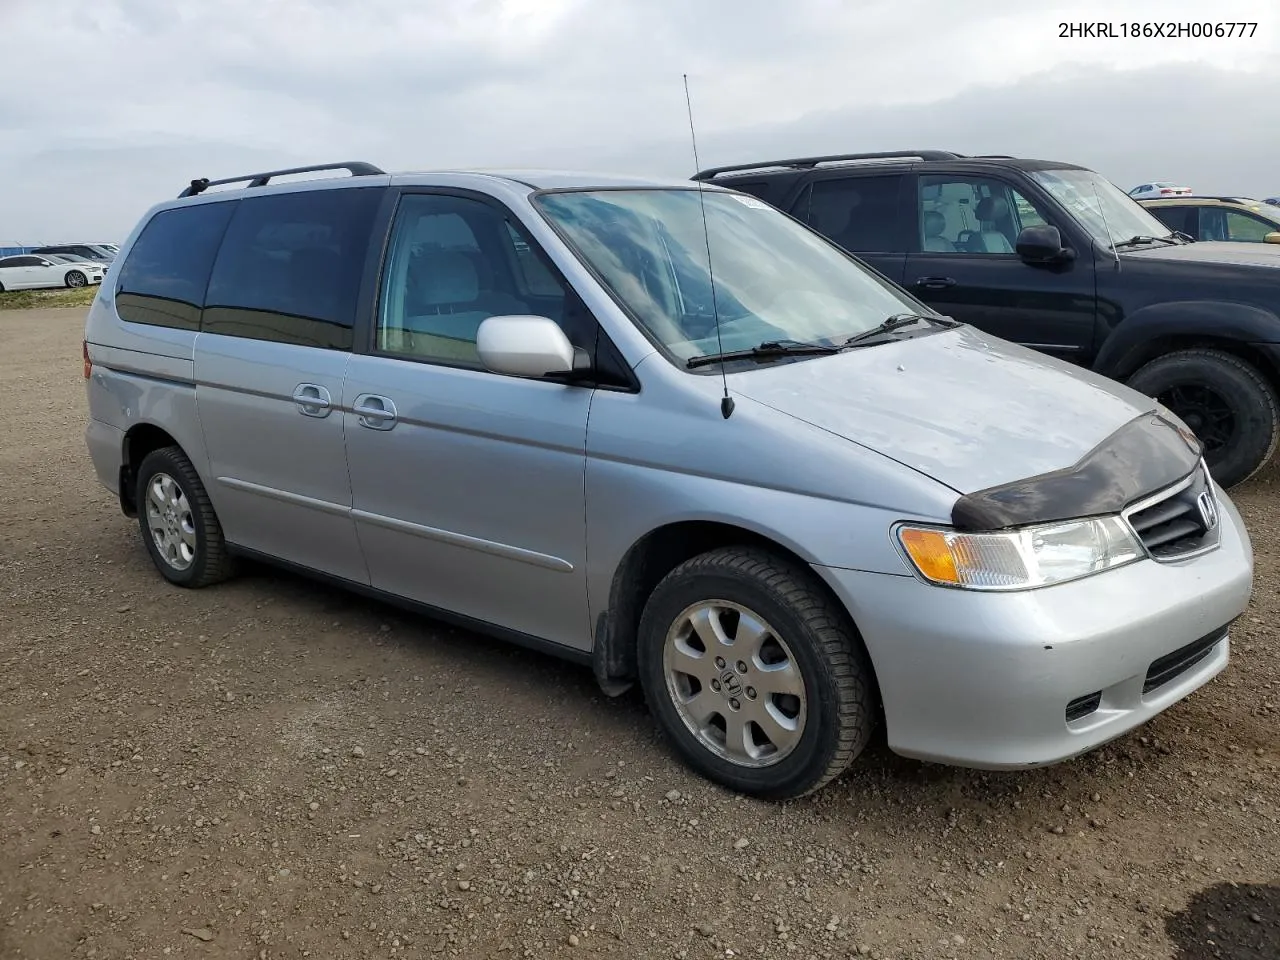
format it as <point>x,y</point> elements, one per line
<point>989,680</point>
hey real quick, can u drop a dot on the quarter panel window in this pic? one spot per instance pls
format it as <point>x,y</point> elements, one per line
<point>290,265</point>
<point>453,263</point>
<point>163,279</point>
<point>960,214</point>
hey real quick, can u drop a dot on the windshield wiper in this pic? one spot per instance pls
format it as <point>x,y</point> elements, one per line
<point>896,321</point>
<point>768,350</point>
<point>1142,238</point>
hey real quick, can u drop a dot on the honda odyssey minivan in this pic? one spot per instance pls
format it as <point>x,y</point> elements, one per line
<point>667,431</point>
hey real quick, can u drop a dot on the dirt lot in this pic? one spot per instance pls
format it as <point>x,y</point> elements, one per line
<point>270,769</point>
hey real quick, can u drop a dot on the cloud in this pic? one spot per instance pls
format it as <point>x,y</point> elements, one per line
<point>151,93</point>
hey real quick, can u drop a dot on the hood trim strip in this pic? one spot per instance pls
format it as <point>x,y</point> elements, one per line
<point>1143,456</point>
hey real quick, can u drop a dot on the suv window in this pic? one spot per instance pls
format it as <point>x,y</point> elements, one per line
<point>966,214</point>
<point>453,263</point>
<point>290,266</point>
<point>163,279</point>
<point>1177,218</point>
<point>860,214</point>
<point>1217,223</point>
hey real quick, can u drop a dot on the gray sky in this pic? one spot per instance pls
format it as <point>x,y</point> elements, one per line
<point>140,96</point>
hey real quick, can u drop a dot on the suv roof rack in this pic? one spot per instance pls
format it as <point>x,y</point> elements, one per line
<point>808,163</point>
<point>358,168</point>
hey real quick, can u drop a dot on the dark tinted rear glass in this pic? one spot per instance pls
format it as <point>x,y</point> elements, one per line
<point>290,266</point>
<point>859,213</point>
<point>163,279</point>
<point>1176,218</point>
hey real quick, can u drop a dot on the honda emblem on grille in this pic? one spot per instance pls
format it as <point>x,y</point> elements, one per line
<point>1208,510</point>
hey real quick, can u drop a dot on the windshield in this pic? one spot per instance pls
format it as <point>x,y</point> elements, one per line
<point>775,280</point>
<point>1108,213</point>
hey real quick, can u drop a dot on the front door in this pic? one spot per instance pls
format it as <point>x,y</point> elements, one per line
<point>468,486</point>
<point>270,360</point>
<point>965,266</point>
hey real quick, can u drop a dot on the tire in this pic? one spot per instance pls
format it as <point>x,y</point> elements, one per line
<point>177,521</point>
<point>1226,401</point>
<point>828,665</point>
<point>75,278</point>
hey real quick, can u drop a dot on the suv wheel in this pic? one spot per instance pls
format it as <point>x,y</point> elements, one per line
<point>1227,403</point>
<point>755,674</point>
<point>177,521</point>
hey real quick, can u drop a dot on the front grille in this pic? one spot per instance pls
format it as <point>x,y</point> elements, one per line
<point>1173,665</point>
<point>1179,521</point>
<point>1081,707</point>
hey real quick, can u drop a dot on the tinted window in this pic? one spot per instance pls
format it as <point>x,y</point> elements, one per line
<point>973,215</point>
<point>163,279</point>
<point>1176,218</point>
<point>858,213</point>
<point>290,265</point>
<point>453,263</point>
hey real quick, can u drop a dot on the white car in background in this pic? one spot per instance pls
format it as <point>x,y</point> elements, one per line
<point>30,271</point>
<point>1159,190</point>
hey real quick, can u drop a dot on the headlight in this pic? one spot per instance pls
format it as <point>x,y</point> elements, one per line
<point>1018,559</point>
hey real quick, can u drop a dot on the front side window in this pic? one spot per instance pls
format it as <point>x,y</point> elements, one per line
<point>774,280</point>
<point>1217,223</point>
<point>1108,214</point>
<point>453,263</point>
<point>964,214</point>
<point>162,281</point>
<point>290,266</point>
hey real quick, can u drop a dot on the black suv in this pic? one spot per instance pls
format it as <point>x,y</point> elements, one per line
<point>1055,257</point>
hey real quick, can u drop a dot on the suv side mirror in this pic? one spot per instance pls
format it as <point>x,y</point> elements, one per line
<point>1042,244</point>
<point>1272,237</point>
<point>528,346</point>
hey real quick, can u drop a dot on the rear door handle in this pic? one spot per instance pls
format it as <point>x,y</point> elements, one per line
<point>935,283</point>
<point>313,400</point>
<point>375,412</point>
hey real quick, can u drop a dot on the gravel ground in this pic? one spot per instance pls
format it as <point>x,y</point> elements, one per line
<point>271,769</point>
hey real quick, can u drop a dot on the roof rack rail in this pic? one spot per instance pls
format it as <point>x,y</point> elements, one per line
<point>808,163</point>
<point>358,168</point>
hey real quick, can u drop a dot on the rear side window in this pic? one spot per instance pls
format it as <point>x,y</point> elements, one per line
<point>163,279</point>
<point>290,266</point>
<point>1176,218</point>
<point>861,214</point>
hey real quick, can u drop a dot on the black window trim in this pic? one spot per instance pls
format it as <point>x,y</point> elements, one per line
<point>365,342</point>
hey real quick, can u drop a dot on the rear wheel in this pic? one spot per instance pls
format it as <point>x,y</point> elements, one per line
<point>177,521</point>
<point>75,278</point>
<point>755,674</point>
<point>1227,403</point>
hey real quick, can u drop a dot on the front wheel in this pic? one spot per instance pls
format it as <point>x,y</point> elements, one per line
<point>1226,402</point>
<point>75,278</point>
<point>755,674</point>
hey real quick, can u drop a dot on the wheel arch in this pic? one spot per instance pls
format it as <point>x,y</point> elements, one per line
<point>646,563</point>
<point>139,440</point>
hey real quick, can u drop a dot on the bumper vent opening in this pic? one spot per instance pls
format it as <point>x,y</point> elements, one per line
<point>1081,707</point>
<point>1173,665</point>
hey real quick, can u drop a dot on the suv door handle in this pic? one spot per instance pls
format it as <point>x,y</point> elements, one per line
<point>375,412</point>
<point>313,400</point>
<point>935,283</point>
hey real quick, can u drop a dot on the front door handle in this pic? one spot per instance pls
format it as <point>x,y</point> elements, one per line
<point>935,283</point>
<point>375,412</point>
<point>313,400</point>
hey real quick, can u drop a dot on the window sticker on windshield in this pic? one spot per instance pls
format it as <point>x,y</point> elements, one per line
<point>751,202</point>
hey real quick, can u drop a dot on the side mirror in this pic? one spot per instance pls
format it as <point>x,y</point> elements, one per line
<point>1042,244</point>
<point>528,346</point>
<point>1272,237</point>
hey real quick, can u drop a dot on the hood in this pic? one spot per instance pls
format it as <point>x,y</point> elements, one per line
<point>1229,252</point>
<point>964,408</point>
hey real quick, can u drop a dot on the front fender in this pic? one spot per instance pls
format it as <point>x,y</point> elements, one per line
<point>1127,347</point>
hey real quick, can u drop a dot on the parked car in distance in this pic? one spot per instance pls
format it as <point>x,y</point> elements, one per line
<point>30,271</point>
<point>779,501</point>
<point>1055,257</point>
<point>1159,188</point>
<point>1219,218</point>
<point>91,251</point>
<point>1274,201</point>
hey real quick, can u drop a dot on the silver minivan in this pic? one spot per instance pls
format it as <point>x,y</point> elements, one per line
<point>664,430</point>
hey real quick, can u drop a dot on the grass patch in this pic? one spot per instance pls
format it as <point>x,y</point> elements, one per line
<point>34,299</point>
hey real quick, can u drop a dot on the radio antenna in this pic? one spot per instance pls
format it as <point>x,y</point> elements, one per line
<point>726,402</point>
